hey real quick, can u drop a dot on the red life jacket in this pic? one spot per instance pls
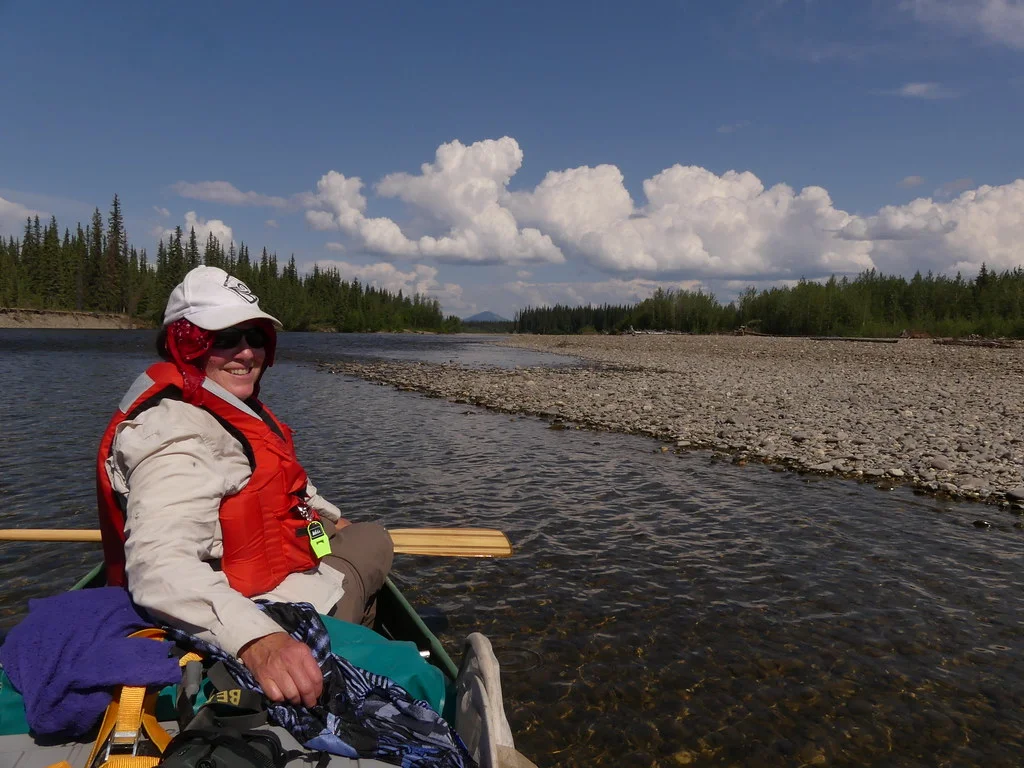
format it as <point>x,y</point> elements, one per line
<point>263,532</point>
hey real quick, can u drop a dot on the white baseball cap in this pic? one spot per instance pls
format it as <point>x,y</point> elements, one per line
<point>212,299</point>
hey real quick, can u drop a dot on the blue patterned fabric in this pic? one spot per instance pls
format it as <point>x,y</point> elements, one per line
<point>360,714</point>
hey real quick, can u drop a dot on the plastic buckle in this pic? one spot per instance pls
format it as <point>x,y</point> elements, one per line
<point>124,742</point>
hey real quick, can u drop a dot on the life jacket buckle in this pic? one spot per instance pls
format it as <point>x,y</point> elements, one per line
<point>123,743</point>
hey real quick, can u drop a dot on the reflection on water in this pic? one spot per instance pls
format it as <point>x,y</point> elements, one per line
<point>660,609</point>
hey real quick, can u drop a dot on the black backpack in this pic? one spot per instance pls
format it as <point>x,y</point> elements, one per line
<point>226,733</point>
<point>226,748</point>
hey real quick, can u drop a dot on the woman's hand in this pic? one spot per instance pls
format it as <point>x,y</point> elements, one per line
<point>284,668</point>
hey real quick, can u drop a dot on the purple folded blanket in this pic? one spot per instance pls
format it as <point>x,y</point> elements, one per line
<point>72,649</point>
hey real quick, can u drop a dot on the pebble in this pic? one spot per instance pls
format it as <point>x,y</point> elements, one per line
<point>777,400</point>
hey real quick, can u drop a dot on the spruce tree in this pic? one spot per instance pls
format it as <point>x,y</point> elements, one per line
<point>50,267</point>
<point>192,251</point>
<point>175,260</point>
<point>213,254</point>
<point>94,262</point>
<point>80,265</point>
<point>29,277</point>
<point>112,267</point>
<point>8,274</point>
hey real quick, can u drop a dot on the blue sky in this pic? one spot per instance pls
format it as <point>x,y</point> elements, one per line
<point>503,155</point>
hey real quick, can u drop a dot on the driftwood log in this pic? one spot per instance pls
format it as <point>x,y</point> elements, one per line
<point>854,338</point>
<point>969,342</point>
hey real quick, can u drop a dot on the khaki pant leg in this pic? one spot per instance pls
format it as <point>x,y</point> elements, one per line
<point>363,552</point>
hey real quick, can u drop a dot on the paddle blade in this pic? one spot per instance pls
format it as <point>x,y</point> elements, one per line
<point>451,542</point>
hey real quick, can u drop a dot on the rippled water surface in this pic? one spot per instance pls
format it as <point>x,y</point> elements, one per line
<point>660,609</point>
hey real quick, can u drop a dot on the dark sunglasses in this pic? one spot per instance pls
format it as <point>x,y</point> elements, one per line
<point>230,338</point>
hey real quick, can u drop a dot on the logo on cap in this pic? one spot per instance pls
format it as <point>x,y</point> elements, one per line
<point>236,285</point>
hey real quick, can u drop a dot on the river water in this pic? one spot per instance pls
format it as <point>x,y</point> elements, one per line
<point>660,610</point>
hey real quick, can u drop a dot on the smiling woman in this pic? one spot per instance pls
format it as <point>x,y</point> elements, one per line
<point>213,322</point>
<point>236,359</point>
<point>204,506</point>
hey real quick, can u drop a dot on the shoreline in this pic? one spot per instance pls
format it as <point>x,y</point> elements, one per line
<point>58,319</point>
<point>49,318</point>
<point>941,419</point>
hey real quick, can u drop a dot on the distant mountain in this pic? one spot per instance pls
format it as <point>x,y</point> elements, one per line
<point>486,317</point>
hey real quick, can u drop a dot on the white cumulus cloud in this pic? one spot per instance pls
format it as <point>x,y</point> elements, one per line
<point>996,21</point>
<point>954,187</point>
<point>691,224</point>
<point>733,127</point>
<point>13,215</point>
<point>911,181</point>
<point>203,229</point>
<point>461,190</point>
<point>613,291</point>
<point>981,225</point>
<point>695,224</point>
<point>924,91</point>
<point>917,219</point>
<point>161,211</point>
<point>226,193</point>
<point>420,278</point>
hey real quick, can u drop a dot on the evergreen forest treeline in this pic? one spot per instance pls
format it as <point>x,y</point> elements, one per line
<point>95,269</point>
<point>872,304</point>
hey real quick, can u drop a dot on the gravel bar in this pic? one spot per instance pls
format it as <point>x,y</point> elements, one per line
<point>944,419</point>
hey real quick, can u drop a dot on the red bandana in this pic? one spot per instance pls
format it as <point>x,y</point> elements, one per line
<point>187,343</point>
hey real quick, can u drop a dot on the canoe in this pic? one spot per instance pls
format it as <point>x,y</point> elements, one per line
<point>396,620</point>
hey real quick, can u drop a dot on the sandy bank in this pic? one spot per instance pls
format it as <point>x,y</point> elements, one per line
<point>38,318</point>
<point>945,419</point>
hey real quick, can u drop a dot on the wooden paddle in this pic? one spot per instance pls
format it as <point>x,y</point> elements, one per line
<point>440,542</point>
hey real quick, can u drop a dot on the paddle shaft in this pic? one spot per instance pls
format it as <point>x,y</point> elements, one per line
<point>440,542</point>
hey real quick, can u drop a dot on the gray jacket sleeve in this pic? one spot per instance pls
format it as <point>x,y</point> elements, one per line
<point>176,464</point>
<point>320,504</point>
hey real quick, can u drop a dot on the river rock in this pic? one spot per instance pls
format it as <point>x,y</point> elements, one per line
<point>779,399</point>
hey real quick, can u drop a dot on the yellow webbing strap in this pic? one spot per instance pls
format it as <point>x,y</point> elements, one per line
<point>131,761</point>
<point>129,715</point>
